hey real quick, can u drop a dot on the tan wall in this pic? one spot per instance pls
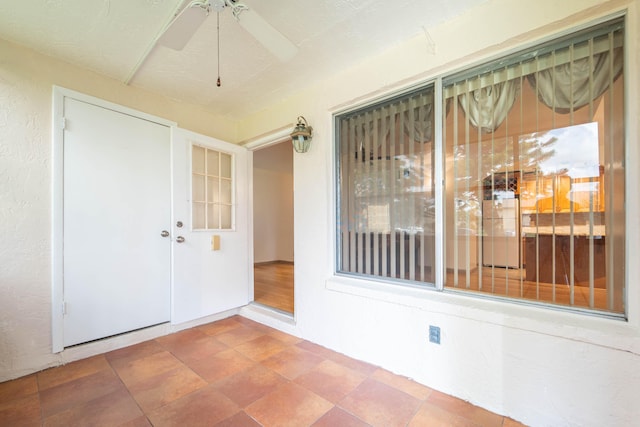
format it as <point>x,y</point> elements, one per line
<point>273,203</point>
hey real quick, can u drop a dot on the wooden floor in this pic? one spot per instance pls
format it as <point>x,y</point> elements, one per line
<point>273,285</point>
<point>511,283</point>
<point>233,372</point>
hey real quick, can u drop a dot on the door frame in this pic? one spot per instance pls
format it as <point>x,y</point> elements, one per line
<point>274,137</point>
<point>57,198</point>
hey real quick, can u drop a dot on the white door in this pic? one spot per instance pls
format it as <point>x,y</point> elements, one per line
<point>208,280</point>
<point>117,201</point>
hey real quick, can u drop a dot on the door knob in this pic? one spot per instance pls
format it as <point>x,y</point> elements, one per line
<point>164,233</point>
<point>179,239</point>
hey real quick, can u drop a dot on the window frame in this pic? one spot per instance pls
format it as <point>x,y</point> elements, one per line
<point>439,80</point>
<point>232,180</point>
<point>437,124</point>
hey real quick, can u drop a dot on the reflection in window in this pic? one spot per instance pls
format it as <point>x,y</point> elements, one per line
<point>387,216</point>
<point>534,153</point>
<point>533,191</point>
<point>211,189</point>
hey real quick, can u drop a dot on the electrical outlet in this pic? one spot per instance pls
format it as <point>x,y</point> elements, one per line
<point>434,334</point>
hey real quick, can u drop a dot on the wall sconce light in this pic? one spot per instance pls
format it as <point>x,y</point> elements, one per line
<point>301,136</point>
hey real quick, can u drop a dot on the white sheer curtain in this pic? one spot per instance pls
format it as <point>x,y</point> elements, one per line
<point>564,81</point>
<point>575,84</point>
<point>422,123</point>
<point>488,106</point>
<point>563,241</point>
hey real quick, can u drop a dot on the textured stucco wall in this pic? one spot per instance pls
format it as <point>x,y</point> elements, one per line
<point>25,181</point>
<point>542,367</point>
<point>26,80</point>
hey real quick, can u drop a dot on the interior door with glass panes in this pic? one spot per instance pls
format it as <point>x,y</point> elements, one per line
<point>210,230</point>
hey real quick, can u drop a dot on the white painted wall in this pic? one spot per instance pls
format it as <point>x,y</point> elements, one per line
<point>542,367</point>
<point>26,82</point>
<point>273,203</point>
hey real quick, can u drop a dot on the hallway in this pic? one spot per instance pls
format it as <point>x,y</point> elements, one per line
<point>273,285</point>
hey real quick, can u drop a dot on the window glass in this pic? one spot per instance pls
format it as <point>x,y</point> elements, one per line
<point>534,180</point>
<point>213,163</point>
<point>198,186</point>
<point>199,221</point>
<point>197,158</point>
<point>387,199</point>
<point>211,189</point>
<point>225,165</point>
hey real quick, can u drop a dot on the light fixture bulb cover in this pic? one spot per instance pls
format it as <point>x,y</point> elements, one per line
<point>301,135</point>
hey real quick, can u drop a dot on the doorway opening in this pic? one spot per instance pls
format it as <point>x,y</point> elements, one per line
<point>273,227</point>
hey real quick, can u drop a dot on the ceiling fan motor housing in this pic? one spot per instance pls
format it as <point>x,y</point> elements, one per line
<point>217,5</point>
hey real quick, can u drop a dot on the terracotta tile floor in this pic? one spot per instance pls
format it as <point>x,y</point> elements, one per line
<point>234,372</point>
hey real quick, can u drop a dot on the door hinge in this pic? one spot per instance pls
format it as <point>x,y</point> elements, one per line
<point>64,123</point>
<point>64,308</point>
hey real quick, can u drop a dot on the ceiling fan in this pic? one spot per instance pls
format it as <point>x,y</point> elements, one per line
<point>193,14</point>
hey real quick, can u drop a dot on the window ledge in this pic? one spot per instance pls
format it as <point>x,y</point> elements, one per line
<point>592,329</point>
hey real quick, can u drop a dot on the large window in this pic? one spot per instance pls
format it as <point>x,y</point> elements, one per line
<point>532,161</point>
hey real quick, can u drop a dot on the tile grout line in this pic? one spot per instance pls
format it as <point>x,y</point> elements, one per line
<point>115,371</point>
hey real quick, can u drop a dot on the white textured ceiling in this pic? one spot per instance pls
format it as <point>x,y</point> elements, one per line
<point>112,36</point>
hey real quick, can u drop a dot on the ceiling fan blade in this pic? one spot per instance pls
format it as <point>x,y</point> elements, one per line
<point>268,36</point>
<point>184,25</point>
